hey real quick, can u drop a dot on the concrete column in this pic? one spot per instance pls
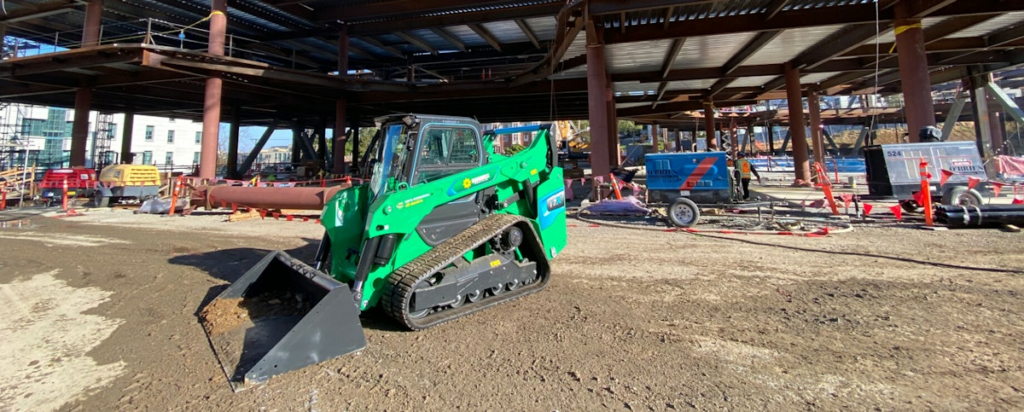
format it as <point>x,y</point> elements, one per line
<point>343,50</point>
<point>910,49</point>
<point>212,99</point>
<point>709,125</point>
<point>126,136</point>
<point>814,112</point>
<point>598,107</point>
<point>93,20</point>
<point>236,124</point>
<point>613,127</point>
<point>797,131</point>
<point>340,139</point>
<point>80,128</point>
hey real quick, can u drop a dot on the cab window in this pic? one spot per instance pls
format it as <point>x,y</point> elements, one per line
<point>444,151</point>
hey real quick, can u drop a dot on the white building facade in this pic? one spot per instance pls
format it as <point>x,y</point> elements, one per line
<point>167,143</point>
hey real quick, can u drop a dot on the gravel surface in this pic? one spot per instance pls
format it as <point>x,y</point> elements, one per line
<point>889,317</point>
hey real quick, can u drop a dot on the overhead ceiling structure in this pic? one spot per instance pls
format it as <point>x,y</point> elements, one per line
<point>495,60</point>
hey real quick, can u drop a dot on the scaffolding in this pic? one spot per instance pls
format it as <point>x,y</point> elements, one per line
<point>103,139</point>
<point>13,146</point>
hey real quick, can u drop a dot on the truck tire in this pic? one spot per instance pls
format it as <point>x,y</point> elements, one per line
<point>962,196</point>
<point>98,200</point>
<point>911,206</point>
<point>683,212</point>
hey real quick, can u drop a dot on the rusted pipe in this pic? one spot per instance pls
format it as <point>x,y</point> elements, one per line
<point>302,198</point>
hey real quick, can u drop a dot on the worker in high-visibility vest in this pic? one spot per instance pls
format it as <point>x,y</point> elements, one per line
<point>746,168</point>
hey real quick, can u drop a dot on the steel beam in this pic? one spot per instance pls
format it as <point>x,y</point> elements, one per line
<point>982,124</point>
<point>212,95</point>
<point>80,127</point>
<point>814,114</point>
<point>917,92</point>
<point>953,116</point>
<point>1009,106</point>
<point>709,125</point>
<point>93,19</point>
<point>340,138</point>
<point>254,153</point>
<point>126,136</point>
<point>235,127</point>
<point>801,166</point>
<point>597,85</point>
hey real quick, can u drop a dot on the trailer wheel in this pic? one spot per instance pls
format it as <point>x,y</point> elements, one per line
<point>683,212</point>
<point>98,200</point>
<point>962,196</point>
<point>911,206</point>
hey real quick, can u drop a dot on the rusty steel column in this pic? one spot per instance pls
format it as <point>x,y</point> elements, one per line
<point>355,140</point>
<point>797,132</point>
<point>817,140</point>
<point>126,136</point>
<point>600,160</point>
<point>709,125</point>
<point>734,138</point>
<point>343,51</point>
<point>93,20</point>
<point>236,124</point>
<point>212,99</point>
<point>340,139</point>
<point>614,154</point>
<point>80,128</point>
<point>917,92</point>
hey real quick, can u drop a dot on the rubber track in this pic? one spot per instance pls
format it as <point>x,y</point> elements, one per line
<point>399,290</point>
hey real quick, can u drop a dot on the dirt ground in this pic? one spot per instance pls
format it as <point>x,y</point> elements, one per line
<point>102,317</point>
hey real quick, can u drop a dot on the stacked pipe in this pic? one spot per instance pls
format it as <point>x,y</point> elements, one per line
<point>956,216</point>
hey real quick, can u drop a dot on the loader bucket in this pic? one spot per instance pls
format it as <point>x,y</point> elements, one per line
<point>280,316</point>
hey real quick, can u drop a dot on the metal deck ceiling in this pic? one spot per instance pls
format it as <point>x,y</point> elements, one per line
<point>657,51</point>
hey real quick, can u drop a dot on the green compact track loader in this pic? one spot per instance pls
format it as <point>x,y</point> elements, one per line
<point>443,227</point>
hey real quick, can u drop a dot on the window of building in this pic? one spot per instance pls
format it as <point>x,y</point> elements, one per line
<point>199,137</point>
<point>149,134</point>
<point>169,160</point>
<point>170,136</point>
<point>147,157</point>
<point>195,157</point>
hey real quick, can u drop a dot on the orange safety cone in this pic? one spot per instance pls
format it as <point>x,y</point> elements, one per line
<point>64,197</point>
<point>926,194</point>
<point>174,196</point>
<point>615,185</point>
<point>826,187</point>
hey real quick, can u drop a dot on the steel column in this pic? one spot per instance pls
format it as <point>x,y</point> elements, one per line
<point>80,128</point>
<point>953,116</point>
<point>679,140</point>
<point>982,124</point>
<point>998,135</point>
<point>297,130</point>
<point>212,98</point>
<point>93,20</point>
<point>236,123</point>
<point>597,79</point>
<point>814,114</point>
<point>340,139</point>
<point>709,125</point>
<point>771,140</point>
<point>354,132</point>
<point>917,93</point>
<point>613,127</point>
<point>343,52</point>
<point>126,136</point>
<point>797,131</point>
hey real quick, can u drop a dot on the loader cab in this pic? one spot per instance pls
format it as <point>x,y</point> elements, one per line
<point>412,150</point>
